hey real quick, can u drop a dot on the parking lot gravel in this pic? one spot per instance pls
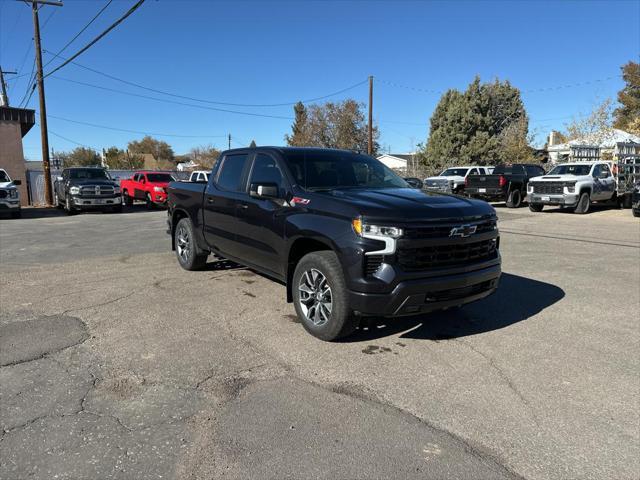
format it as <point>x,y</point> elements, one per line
<point>118,364</point>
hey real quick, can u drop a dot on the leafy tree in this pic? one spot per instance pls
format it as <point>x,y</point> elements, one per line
<point>160,149</point>
<point>627,115</point>
<point>332,125</point>
<point>81,157</point>
<point>474,126</point>
<point>596,125</point>
<point>205,155</point>
<point>118,159</point>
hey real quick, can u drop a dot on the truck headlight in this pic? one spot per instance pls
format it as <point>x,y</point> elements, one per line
<point>116,189</point>
<point>13,193</point>
<point>74,190</point>
<point>158,189</point>
<point>529,188</point>
<point>368,231</point>
<point>571,187</point>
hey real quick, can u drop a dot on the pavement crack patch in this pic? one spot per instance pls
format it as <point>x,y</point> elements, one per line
<point>101,304</point>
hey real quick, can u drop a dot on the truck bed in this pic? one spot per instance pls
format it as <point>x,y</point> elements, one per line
<point>189,195</point>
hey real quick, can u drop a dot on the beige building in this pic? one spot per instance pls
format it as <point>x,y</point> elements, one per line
<point>14,124</point>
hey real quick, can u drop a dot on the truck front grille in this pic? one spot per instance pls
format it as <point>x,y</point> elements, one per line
<point>425,258</point>
<point>96,190</point>
<point>4,194</point>
<point>548,188</point>
<point>444,230</point>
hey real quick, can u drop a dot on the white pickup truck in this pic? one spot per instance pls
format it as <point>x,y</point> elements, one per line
<point>573,185</point>
<point>9,195</point>
<point>452,180</point>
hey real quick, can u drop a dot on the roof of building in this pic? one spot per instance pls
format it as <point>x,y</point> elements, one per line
<point>26,117</point>
<point>402,156</point>
<point>603,139</point>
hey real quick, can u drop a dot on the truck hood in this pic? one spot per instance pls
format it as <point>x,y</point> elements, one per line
<point>455,178</point>
<point>401,204</point>
<point>82,183</point>
<point>7,185</point>
<point>561,178</point>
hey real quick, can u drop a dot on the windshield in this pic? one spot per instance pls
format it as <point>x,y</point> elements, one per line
<point>89,174</point>
<point>160,178</point>
<point>4,177</point>
<point>508,170</point>
<point>571,170</point>
<point>328,170</point>
<point>454,172</point>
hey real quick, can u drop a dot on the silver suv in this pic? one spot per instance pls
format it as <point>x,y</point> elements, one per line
<point>573,185</point>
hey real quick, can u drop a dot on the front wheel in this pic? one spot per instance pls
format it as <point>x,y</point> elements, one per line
<point>68,208</point>
<point>536,207</point>
<point>16,214</point>
<point>56,200</point>
<point>320,296</point>
<point>126,199</point>
<point>583,204</point>
<point>514,200</point>
<point>186,249</point>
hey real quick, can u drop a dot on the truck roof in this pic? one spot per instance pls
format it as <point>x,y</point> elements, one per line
<point>292,149</point>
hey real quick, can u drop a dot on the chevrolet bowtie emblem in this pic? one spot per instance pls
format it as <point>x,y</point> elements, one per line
<point>463,231</point>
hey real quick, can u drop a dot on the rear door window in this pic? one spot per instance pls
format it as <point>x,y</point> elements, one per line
<point>230,173</point>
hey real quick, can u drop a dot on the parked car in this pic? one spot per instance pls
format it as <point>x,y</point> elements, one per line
<point>345,234</point>
<point>635,200</point>
<point>573,185</point>
<point>9,195</point>
<point>199,176</point>
<point>452,180</point>
<point>86,188</point>
<point>507,183</point>
<point>148,186</point>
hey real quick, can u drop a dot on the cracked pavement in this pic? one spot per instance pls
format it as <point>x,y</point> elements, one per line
<point>115,363</point>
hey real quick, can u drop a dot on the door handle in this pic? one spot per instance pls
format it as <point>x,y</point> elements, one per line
<point>243,206</point>
<point>211,200</point>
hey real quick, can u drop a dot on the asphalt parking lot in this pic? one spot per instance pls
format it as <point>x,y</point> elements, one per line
<point>118,364</point>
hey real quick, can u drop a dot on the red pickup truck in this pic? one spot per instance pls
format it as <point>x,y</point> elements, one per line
<point>148,186</point>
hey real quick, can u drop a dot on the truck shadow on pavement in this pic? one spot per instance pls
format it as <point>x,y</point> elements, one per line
<point>517,299</point>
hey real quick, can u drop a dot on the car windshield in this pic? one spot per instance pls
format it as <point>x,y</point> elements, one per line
<point>508,170</point>
<point>329,170</point>
<point>4,177</point>
<point>454,172</point>
<point>89,174</point>
<point>571,170</point>
<point>160,178</point>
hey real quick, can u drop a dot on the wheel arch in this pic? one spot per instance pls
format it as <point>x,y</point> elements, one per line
<point>298,249</point>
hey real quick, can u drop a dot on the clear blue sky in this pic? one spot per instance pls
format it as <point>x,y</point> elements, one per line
<point>276,52</point>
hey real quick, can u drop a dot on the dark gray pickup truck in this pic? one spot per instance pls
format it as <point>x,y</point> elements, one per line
<point>345,234</point>
<point>507,183</point>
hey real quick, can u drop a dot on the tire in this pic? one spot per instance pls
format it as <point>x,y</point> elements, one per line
<point>68,208</point>
<point>149,202</point>
<point>126,199</point>
<point>627,201</point>
<point>636,213</point>
<point>514,200</point>
<point>56,200</point>
<point>536,207</point>
<point>319,275</point>
<point>187,252</point>
<point>583,204</point>
<point>117,209</point>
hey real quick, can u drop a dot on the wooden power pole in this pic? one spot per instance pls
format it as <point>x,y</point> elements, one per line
<point>48,194</point>
<point>4,99</point>
<point>370,142</point>
<point>229,141</point>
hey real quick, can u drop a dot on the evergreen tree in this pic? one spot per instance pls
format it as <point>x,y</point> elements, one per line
<point>627,116</point>
<point>253,144</point>
<point>299,135</point>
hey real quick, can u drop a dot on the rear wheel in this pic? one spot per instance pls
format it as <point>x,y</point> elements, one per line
<point>536,207</point>
<point>320,296</point>
<point>583,203</point>
<point>149,201</point>
<point>514,200</point>
<point>187,252</point>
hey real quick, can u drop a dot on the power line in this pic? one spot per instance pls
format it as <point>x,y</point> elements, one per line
<point>164,100</point>
<point>80,32</point>
<point>70,141</point>
<point>95,40</point>
<point>213,102</point>
<point>134,131</point>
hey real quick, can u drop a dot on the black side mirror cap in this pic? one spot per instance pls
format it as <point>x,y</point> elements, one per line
<point>414,183</point>
<point>17,182</point>
<point>264,190</point>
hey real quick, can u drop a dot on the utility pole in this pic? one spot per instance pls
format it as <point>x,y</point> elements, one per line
<point>43,108</point>
<point>370,143</point>
<point>229,141</point>
<point>4,100</point>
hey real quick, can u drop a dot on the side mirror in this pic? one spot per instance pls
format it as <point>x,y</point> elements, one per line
<point>17,182</point>
<point>604,174</point>
<point>415,183</point>
<point>59,178</point>
<point>264,190</point>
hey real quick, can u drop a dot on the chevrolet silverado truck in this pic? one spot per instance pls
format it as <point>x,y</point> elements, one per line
<point>452,180</point>
<point>86,188</point>
<point>148,186</point>
<point>345,234</point>
<point>635,200</point>
<point>573,185</point>
<point>507,183</point>
<point>9,195</point>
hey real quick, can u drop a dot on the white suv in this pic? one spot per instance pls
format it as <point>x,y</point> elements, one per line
<point>573,185</point>
<point>452,179</point>
<point>9,195</point>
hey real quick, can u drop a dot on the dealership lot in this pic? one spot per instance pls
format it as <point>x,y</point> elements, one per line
<point>118,364</point>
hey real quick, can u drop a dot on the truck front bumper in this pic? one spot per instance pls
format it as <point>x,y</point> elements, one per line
<point>565,200</point>
<point>412,297</point>
<point>90,202</point>
<point>12,205</point>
